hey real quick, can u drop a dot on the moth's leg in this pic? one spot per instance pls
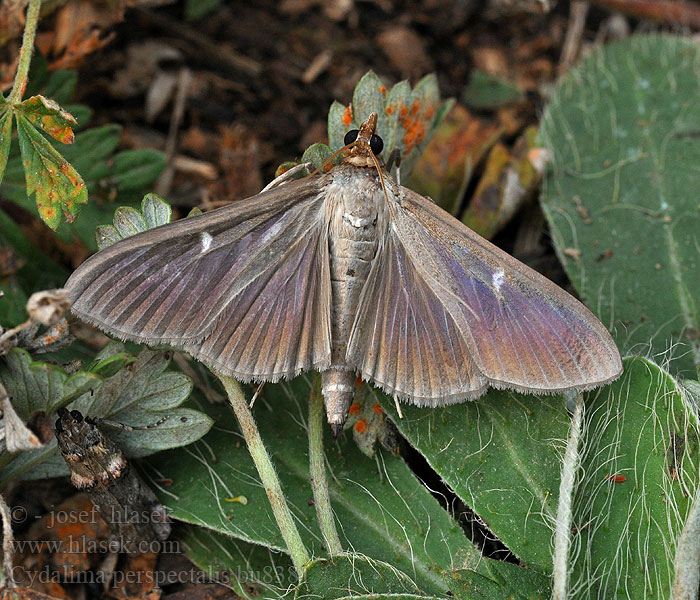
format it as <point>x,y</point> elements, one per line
<point>287,175</point>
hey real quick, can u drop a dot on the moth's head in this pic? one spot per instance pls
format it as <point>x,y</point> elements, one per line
<point>364,144</point>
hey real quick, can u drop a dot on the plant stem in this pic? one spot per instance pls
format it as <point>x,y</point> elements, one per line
<point>687,577</point>
<point>8,552</point>
<point>317,470</point>
<point>266,470</point>
<point>562,533</point>
<point>25,54</point>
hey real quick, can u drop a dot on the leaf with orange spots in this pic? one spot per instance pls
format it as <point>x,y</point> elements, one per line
<point>369,424</point>
<point>49,116</point>
<point>405,118</point>
<point>57,185</point>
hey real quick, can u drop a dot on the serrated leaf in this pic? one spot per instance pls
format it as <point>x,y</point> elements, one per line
<point>620,192</point>
<point>57,185</point>
<point>385,519</point>
<point>128,221</point>
<point>141,394</point>
<point>50,117</point>
<point>38,386</point>
<point>5,139</point>
<point>352,576</point>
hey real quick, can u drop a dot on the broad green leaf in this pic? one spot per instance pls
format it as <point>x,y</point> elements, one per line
<point>128,221</point>
<point>390,517</point>
<point>500,455</point>
<point>625,531</point>
<point>505,580</point>
<point>620,194</point>
<point>60,85</point>
<point>253,572</point>
<point>50,117</point>
<point>339,123</point>
<point>354,576</point>
<point>57,185</point>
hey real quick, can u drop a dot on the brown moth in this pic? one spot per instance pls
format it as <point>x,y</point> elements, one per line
<point>347,273</point>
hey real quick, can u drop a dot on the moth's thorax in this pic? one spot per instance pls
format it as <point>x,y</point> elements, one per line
<point>356,210</point>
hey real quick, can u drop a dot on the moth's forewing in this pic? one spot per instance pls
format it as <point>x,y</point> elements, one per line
<point>489,315</point>
<point>239,287</point>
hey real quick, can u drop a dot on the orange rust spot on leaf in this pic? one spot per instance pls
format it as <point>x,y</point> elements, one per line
<point>361,426</point>
<point>616,478</point>
<point>382,89</point>
<point>415,107</point>
<point>347,116</point>
<point>404,111</point>
<point>429,112</point>
<point>354,409</point>
<point>377,408</point>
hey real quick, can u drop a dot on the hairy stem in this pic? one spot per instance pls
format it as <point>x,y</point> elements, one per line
<point>266,470</point>
<point>687,577</point>
<point>25,54</point>
<point>317,469</point>
<point>562,533</point>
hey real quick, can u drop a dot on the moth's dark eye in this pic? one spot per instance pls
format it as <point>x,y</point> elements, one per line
<point>376,144</point>
<point>351,136</point>
<point>77,415</point>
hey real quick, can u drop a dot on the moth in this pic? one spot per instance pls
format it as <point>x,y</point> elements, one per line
<point>347,273</point>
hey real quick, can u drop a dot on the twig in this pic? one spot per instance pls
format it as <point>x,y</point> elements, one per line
<point>670,12</point>
<point>266,470</point>
<point>8,542</point>
<point>317,469</point>
<point>578,10</point>
<point>25,54</point>
<point>562,533</point>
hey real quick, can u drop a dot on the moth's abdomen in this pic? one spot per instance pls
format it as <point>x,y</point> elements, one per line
<point>356,217</point>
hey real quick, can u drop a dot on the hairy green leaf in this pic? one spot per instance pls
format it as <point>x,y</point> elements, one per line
<point>619,196</point>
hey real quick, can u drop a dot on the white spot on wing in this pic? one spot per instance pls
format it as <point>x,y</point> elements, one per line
<point>206,241</point>
<point>497,280</point>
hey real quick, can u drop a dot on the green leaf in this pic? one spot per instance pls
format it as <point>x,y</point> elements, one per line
<point>50,117</point>
<point>354,576</point>
<point>506,580</point>
<point>128,221</point>
<point>253,572</point>
<point>405,119</point>
<point>134,169</point>
<point>317,154</point>
<point>393,519</point>
<point>5,139</point>
<point>488,91</point>
<point>57,185</point>
<point>500,455</point>
<point>140,394</point>
<point>61,85</point>
<point>639,428</point>
<point>619,196</point>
